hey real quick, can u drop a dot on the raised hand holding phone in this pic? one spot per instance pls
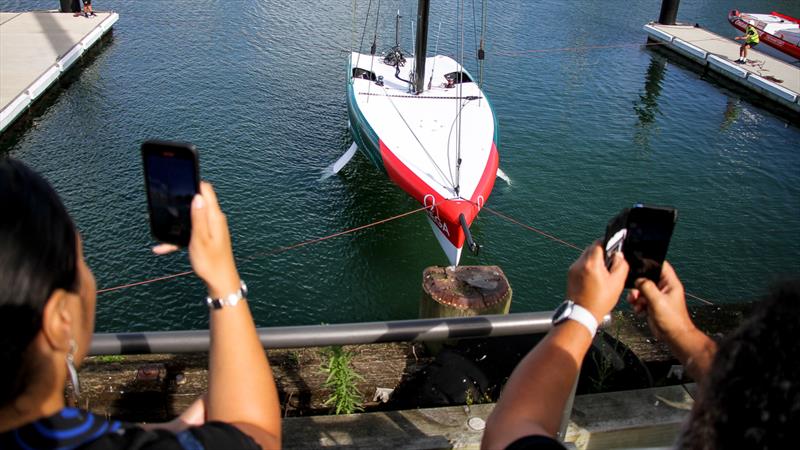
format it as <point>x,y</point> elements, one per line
<point>642,233</point>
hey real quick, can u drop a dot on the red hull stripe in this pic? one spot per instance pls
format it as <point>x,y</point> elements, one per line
<point>446,212</point>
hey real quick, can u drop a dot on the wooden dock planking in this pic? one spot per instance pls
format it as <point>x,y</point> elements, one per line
<point>36,48</point>
<point>764,74</point>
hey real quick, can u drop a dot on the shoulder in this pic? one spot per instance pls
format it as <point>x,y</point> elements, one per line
<point>535,443</point>
<point>212,435</point>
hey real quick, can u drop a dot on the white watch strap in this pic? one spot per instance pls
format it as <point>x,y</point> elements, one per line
<point>584,317</point>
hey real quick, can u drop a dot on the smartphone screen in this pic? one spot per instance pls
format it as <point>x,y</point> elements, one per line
<point>171,179</point>
<point>649,230</point>
<point>642,234</point>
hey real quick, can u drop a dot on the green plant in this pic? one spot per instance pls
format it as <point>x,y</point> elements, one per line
<point>605,363</point>
<point>293,358</point>
<point>345,398</point>
<point>110,358</point>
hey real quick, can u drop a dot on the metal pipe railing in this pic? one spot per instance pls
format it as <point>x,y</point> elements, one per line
<point>420,330</point>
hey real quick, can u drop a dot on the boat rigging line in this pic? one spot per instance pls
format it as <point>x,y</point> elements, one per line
<point>460,7</point>
<point>481,51</point>
<point>363,33</point>
<point>435,52</point>
<point>274,251</point>
<point>394,57</point>
<point>374,46</point>
<point>421,145</point>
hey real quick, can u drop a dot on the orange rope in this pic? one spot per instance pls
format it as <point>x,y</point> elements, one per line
<point>535,230</point>
<point>273,251</point>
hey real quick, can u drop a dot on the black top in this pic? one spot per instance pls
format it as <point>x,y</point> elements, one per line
<point>535,443</point>
<point>72,428</point>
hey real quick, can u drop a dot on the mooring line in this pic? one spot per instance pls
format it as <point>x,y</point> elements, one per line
<point>535,230</point>
<point>568,244</point>
<point>273,251</point>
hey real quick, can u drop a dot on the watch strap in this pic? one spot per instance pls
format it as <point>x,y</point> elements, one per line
<point>231,300</point>
<point>584,317</point>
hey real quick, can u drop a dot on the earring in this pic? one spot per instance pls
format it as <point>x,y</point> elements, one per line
<point>73,374</point>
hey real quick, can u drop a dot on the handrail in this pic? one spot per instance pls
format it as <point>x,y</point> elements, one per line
<point>419,330</point>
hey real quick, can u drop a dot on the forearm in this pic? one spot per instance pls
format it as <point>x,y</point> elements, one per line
<point>538,389</point>
<point>695,350</point>
<point>240,384</point>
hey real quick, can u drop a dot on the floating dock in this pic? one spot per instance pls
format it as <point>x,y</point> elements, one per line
<point>768,76</point>
<point>36,48</point>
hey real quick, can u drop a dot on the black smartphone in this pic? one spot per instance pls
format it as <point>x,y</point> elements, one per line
<point>642,233</point>
<point>172,178</point>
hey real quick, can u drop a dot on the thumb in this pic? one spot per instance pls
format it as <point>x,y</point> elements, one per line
<point>619,267</point>
<point>199,217</point>
<point>649,290</point>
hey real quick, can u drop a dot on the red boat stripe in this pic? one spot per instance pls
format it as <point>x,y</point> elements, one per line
<point>446,212</point>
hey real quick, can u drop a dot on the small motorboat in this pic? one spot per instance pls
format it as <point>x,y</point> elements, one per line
<point>774,29</point>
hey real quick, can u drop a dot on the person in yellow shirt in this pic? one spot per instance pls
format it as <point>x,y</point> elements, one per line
<point>750,40</point>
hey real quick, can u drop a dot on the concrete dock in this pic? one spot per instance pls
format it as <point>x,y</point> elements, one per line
<point>36,48</point>
<point>763,74</point>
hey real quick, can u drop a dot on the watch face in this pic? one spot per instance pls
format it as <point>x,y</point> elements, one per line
<point>562,312</point>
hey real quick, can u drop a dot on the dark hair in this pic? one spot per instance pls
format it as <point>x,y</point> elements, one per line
<point>751,397</point>
<point>38,255</point>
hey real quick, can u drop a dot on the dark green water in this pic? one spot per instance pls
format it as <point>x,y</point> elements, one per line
<point>259,87</point>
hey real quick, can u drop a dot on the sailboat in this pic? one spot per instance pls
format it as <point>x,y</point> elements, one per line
<point>425,122</point>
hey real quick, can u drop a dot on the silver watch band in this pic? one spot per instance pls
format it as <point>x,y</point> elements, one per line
<point>231,300</point>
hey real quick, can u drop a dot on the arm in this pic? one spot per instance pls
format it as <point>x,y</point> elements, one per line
<point>241,390</point>
<point>534,397</point>
<point>193,416</point>
<point>665,307</point>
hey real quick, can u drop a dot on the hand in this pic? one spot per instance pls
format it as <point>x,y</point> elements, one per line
<point>194,415</point>
<point>664,304</point>
<point>594,287</point>
<point>210,250</point>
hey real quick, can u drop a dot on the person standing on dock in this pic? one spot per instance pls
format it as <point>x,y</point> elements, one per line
<point>750,40</point>
<point>87,9</point>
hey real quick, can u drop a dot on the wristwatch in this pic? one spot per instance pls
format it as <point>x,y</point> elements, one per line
<point>573,311</point>
<point>230,299</point>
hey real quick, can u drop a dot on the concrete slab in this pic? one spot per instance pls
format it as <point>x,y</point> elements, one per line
<point>771,77</point>
<point>641,418</point>
<point>32,43</point>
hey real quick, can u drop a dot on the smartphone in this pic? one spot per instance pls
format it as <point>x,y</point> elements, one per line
<point>642,233</point>
<point>171,178</point>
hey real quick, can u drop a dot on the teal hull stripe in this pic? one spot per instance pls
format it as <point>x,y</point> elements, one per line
<point>365,137</point>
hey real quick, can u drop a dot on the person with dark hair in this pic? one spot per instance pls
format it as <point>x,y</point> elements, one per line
<point>47,310</point>
<point>749,394</point>
<point>749,387</point>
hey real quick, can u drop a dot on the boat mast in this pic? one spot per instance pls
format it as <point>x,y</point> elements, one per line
<point>421,45</point>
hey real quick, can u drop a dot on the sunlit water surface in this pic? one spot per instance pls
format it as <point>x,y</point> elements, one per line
<point>259,87</point>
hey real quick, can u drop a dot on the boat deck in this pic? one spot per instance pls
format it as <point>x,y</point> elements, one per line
<point>771,77</point>
<point>36,48</point>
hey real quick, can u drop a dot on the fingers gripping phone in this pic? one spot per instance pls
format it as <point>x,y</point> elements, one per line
<point>172,178</point>
<point>642,234</point>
